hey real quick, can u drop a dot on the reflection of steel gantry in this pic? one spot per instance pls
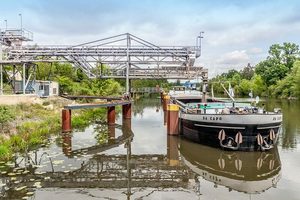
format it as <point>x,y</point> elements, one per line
<point>127,56</point>
<point>102,171</point>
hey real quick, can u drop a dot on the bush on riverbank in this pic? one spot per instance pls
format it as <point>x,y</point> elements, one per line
<point>276,76</point>
<point>36,124</point>
<point>6,115</point>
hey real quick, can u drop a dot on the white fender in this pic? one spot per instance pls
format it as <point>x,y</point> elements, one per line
<point>222,135</point>
<point>239,138</point>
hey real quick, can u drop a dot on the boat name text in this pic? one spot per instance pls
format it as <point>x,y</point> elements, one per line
<point>213,118</point>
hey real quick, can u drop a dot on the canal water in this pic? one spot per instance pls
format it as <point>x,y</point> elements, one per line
<point>137,160</point>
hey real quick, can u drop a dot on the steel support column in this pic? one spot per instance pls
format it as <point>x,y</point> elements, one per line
<point>24,79</point>
<point>128,65</point>
<point>14,78</point>
<point>1,79</point>
<point>1,69</point>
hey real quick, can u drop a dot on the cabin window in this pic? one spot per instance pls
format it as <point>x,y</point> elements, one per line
<point>54,90</point>
<point>41,87</point>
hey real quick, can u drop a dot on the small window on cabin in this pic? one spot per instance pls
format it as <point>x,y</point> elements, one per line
<point>41,87</point>
<point>54,90</point>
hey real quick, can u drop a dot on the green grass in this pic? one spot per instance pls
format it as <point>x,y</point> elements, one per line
<point>5,152</point>
<point>44,123</point>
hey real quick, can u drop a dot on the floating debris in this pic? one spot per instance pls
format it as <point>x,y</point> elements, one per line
<point>39,166</point>
<point>20,188</point>
<point>29,193</point>
<point>13,178</point>
<point>2,184</point>
<point>57,162</point>
<point>10,164</point>
<point>11,174</point>
<point>47,178</point>
<point>37,184</point>
<point>39,173</point>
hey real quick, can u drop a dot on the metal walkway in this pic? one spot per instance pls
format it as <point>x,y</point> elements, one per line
<point>121,56</point>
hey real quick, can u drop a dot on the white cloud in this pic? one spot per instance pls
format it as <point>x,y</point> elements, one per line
<point>237,57</point>
<point>255,50</point>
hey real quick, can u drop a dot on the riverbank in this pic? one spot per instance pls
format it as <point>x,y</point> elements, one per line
<point>29,126</point>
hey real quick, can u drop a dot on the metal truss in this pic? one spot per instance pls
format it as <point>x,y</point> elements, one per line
<point>121,56</point>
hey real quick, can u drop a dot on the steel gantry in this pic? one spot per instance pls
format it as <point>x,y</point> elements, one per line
<point>121,56</point>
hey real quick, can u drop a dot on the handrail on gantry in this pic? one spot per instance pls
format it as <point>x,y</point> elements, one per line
<point>124,54</point>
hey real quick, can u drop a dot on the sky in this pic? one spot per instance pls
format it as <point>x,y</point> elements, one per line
<point>236,32</point>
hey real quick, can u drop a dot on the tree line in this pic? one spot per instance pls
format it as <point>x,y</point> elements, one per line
<point>276,76</point>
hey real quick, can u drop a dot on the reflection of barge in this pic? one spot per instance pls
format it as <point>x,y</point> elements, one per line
<point>249,172</point>
<point>236,126</point>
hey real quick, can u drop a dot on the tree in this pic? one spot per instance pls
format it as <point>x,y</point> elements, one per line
<point>290,85</point>
<point>258,85</point>
<point>271,71</point>
<point>247,72</point>
<point>296,73</point>
<point>286,53</point>
<point>279,62</point>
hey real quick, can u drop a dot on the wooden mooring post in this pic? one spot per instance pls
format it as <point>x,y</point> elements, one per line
<point>66,121</point>
<point>67,143</point>
<point>111,115</point>
<point>126,111</point>
<point>172,151</point>
<point>166,101</point>
<point>111,112</point>
<point>173,119</point>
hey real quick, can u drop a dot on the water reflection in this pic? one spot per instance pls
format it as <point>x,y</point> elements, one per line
<point>248,172</point>
<point>110,162</point>
<point>291,122</point>
<point>140,104</point>
<point>88,167</point>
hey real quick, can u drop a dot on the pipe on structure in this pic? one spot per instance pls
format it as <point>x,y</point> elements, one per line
<point>173,119</point>
<point>111,115</point>
<point>66,121</point>
<point>126,111</point>
<point>204,90</point>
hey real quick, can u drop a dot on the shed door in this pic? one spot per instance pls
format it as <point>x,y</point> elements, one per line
<point>46,90</point>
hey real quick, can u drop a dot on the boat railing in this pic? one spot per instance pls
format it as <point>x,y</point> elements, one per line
<point>182,106</point>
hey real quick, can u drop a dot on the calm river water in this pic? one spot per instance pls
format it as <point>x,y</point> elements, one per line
<point>137,160</point>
